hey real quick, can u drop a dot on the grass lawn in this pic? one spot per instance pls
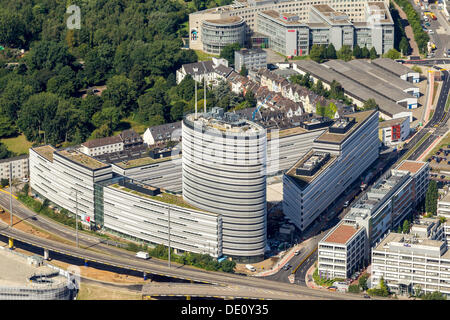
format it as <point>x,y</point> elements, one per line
<point>202,56</point>
<point>19,145</point>
<point>300,58</point>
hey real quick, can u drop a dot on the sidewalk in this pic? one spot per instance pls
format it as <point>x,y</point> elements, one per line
<point>311,284</point>
<point>283,260</point>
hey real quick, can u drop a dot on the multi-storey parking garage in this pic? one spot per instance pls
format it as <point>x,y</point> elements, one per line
<point>221,32</point>
<point>224,172</point>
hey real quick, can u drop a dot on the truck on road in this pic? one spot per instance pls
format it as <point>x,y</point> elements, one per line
<point>250,267</point>
<point>142,255</point>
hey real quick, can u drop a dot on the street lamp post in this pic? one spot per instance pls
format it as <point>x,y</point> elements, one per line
<point>76,215</point>
<point>10,194</point>
<point>168,224</point>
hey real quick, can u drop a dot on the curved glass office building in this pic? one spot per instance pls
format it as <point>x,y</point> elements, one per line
<point>216,34</point>
<point>224,172</point>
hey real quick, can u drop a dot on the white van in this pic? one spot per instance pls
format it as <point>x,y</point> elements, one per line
<point>250,267</point>
<point>142,255</point>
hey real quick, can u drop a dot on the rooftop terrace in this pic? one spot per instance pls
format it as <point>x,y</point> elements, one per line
<point>332,137</point>
<point>341,234</point>
<point>162,197</point>
<point>303,180</point>
<point>81,158</point>
<point>45,151</point>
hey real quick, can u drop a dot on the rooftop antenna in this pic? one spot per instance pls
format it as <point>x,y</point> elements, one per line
<point>204,95</point>
<point>195,100</point>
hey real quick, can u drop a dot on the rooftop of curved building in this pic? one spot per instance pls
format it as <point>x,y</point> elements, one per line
<point>226,122</point>
<point>226,21</point>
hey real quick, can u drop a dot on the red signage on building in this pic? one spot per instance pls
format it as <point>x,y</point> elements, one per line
<point>291,30</point>
<point>396,132</point>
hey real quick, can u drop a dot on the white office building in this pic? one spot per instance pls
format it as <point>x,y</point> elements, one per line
<point>337,158</point>
<point>342,251</point>
<point>224,160</point>
<point>140,211</point>
<point>67,178</point>
<point>19,167</point>
<point>410,263</point>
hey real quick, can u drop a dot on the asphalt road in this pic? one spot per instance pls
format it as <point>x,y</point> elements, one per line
<point>177,271</point>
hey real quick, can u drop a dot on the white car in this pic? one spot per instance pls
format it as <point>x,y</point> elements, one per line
<point>430,31</point>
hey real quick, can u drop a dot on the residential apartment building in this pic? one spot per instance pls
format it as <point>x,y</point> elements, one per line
<point>410,263</point>
<point>342,251</point>
<point>163,133</point>
<point>394,131</point>
<point>101,146</point>
<point>250,58</point>
<point>127,139</point>
<point>19,167</point>
<point>338,157</point>
<point>212,71</point>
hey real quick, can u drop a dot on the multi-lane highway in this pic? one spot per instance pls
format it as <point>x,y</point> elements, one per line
<point>177,271</point>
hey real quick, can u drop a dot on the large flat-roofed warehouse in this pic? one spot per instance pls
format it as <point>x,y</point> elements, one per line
<point>397,69</point>
<point>385,76</point>
<point>373,83</point>
<point>352,89</point>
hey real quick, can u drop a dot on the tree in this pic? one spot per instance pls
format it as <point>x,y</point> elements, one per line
<point>345,53</point>
<point>227,266</point>
<point>186,88</point>
<point>373,53</point>
<point>177,110</point>
<point>121,93</point>
<point>365,53</point>
<point>244,71</point>
<point>363,281</point>
<point>49,55</point>
<point>109,116</point>
<point>331,52</point>
<point>404,46</point>
<point>4,182</point>
<point>336,90</point>
<point>4,152</point>
<point>227,52</point>
<point>392,54</point>
<point>354,288</point>
<point>357,53</point>
<point>436,295</point>
<point>320,110</point>
<point>370,104</point>
<point>431,198</point>
<point>12,29</point>
<point>250,99</point>
<point>317,53</point>
<point>416,68</point>
<point>406,226</point>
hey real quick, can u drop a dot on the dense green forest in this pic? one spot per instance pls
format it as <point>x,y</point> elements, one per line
<point>133,47</point>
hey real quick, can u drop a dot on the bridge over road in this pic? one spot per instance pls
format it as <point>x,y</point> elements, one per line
<point>242,283</point>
